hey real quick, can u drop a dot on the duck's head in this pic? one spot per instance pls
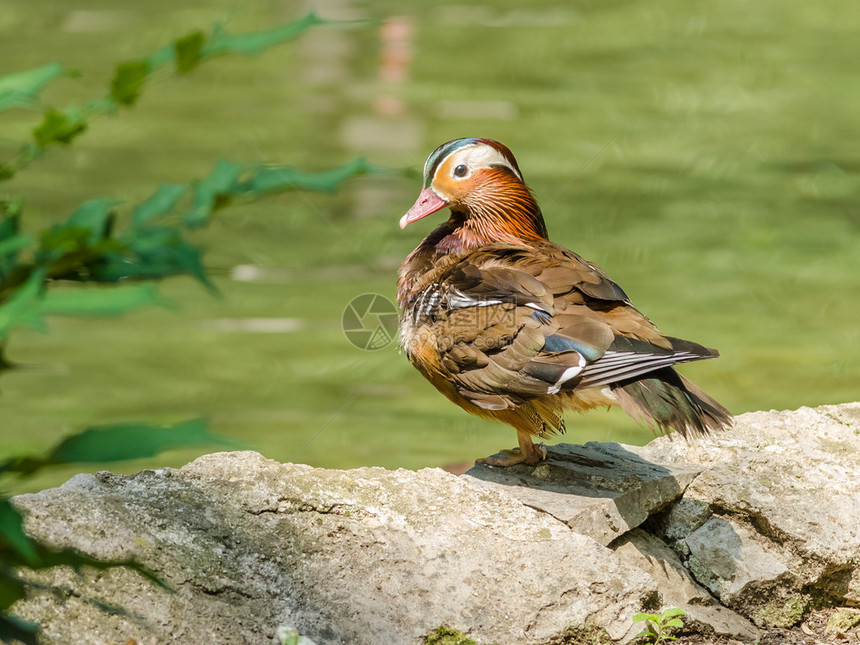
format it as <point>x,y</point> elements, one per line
<point>480,181</point>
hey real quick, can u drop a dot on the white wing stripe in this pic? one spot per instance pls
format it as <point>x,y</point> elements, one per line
<point>566,375</point>
<point>459,300</point>
<point>617,366</point>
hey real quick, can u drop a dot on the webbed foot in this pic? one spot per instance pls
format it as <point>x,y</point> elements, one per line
<point>531,456</point>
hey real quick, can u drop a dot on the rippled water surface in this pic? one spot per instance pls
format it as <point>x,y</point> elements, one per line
<point>705,156</point>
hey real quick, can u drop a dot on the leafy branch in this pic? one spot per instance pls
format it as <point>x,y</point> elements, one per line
<point>63,126</point>
<point>87,247</point>
<point>129,248</point>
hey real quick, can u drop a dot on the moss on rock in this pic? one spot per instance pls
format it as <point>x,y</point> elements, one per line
<point>842,620</point>
<point>783,612</point>
<point>444,635</point>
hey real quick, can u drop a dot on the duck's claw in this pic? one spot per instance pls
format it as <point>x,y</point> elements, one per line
<point>533,455</point>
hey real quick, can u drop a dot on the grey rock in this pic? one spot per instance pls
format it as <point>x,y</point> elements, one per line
<point>600,489</point>
<point>679,589</point>
<point>758,523</point>
<point>730,559</point>
<point>362,557</point>
<point>682,518</point>
<point>741,570</point>
<point>784,489</point>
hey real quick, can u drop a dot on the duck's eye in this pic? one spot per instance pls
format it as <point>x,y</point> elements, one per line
<point>461,170</point>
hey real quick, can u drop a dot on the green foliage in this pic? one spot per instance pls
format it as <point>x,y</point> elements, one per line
<point>229,182</point>
<point>22,89</point>
<point>87,247</point>
<point>255,42</point>
<point>128,81</point>
<point>188,51</point>
<point>658,626</point>
<point>287,635</point>
<point>22,309</point>
<point>63,126</point>
<point>59,127</point>
<point>119,442</point>
<point>104,259</point>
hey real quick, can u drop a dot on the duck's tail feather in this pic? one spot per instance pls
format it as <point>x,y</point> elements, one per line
<point>666,401</point>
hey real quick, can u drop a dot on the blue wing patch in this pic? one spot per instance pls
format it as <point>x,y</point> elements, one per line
<point>564,344</point>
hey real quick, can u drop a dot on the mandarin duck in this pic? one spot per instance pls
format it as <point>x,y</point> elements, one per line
<point>511,326</point>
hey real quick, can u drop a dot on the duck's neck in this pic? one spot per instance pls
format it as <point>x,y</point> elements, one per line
<point>511,217</point>
<point>466,232</point>
<point>500,211</point>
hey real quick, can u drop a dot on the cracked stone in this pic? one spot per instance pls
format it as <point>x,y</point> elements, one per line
<point>786,486</point>
<point>765,514</point>
<point>599,490</point>
<point>418,550</point>
<point>728,561</point>
<point>679,589</point>
<point>682,518</point>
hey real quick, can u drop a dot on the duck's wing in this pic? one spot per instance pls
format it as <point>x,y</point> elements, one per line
<point>510,324</point>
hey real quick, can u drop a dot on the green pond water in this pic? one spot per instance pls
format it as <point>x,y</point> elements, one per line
<point>705,155</point>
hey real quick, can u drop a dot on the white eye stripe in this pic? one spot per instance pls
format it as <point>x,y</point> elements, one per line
<point>478,155</point>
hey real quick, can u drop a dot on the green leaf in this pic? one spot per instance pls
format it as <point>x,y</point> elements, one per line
<point>95,216</point>
<point>14,629</point>
<point>64,249</point>
<point>24,306</point>
<point>59,127</point>
<point>10,247</point>
<point>26,154</point>
<point>278,178</point>
<point>187,51</point>
<point>255,42</point>
<point>672,611</point>
<point>289,636</point>
<point>10,222</point>
<point>638,618</point>
<point>11,240</point>
<point>12,533</point>
<point>133,441</point>
<point>23,88</point>
<point>155,252</point>
<point>101,301</point>
<point>77,248</point>
<point>104,105</point>
<point>675,622</point>
<point>128,81</point>
<point>159,203</point>
<point>84,248</point>
<point>213,192</point>
<point>119,442</point>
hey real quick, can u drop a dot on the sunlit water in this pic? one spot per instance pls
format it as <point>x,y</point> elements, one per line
<point>705,156</point>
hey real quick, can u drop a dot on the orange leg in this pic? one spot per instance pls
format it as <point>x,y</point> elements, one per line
<point>528,453</point>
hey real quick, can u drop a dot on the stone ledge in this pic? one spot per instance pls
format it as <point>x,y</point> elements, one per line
<point>756,525</point>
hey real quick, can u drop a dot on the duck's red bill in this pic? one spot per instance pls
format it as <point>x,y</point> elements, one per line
<point>427,203</point>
